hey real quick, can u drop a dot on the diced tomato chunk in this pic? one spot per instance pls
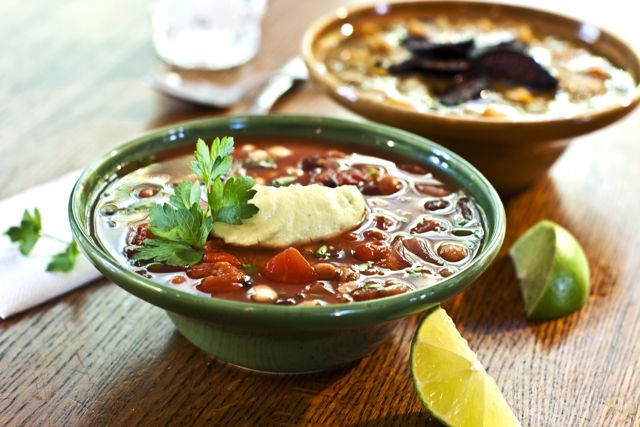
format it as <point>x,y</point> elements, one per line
<point>289,266</point>
<point>218,277</point>
<point>220,268</point>
<point>371,251</point>
<point>221,256</point>
<point>214,284</point>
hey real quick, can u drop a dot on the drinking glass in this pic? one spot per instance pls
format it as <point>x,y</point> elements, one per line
<point>207,34</point>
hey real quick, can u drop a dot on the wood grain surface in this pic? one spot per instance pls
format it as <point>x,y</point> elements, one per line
<point>71,88</point>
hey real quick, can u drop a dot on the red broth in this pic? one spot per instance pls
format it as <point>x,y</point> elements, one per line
<point>418,230</point>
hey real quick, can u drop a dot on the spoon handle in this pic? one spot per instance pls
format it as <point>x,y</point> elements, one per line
<point>292,72</point>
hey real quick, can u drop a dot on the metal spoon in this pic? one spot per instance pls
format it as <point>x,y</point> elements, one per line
<point>216,95</point>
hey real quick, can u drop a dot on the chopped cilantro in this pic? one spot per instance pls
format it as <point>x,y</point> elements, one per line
<point>262,163</point>
<point>284,181</point>
<point>371,284</point>
<point>322,252</point>
<point>250,269</point>
<point>364,266</point>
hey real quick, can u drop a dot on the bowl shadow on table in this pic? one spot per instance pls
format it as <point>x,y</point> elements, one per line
<point>208,391</point>
<point>183,384</point>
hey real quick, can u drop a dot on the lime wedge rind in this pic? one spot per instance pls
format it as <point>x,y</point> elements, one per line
<point>553,271</point>
<point>450,381</point>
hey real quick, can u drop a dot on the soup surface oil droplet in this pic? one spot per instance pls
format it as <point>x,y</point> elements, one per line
<point>108,209</point>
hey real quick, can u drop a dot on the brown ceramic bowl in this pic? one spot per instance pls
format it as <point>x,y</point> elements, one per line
<point>511,153</point>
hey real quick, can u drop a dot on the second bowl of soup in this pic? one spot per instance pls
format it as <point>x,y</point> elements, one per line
<point>504,86</point>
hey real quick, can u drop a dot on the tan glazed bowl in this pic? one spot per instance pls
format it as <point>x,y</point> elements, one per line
<point>511,153</point>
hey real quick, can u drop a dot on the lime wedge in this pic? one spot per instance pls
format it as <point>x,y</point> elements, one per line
<point>449,379</point>
<point>553,271</point>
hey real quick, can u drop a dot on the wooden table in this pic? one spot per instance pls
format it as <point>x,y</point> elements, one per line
<point>71,89</point>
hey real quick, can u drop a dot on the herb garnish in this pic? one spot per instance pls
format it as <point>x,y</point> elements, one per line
<point>250,269</point>
<point>364,266</point>
<point>284,181</point>
<point>322,252</point>
<point>29,232</point>
<point>181,227</point>
<point>262,163</point>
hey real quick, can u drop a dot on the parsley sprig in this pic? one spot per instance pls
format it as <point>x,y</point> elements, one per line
<point>182,226</point>
<point>27,234</point>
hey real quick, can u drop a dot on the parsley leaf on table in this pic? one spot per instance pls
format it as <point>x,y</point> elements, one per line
<point>66,260</point>
<point>27,233</point>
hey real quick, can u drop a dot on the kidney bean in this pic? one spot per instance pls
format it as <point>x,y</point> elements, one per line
<point>385,223</point>
<point>397,259</point>
<point>420,248</point>
<point>452,252</point>
<point>389,185</point>
<point>144,191</point>
<point>463,207</point>
<point>436,205</point>
<point>432,190</point>
<point>371,251</point>
<point>428,224</point>
<point>376,234</point>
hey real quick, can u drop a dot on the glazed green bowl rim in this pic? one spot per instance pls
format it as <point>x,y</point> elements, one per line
<point>235,313</point>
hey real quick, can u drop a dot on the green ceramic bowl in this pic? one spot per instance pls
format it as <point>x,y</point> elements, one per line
<point>272,338</point>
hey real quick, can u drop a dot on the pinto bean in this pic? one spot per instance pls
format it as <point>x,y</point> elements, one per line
<point>347,273</point>
<point>312,303</point>
<point>262,294</point>
<point>178,280</point>
<point>325,271</point>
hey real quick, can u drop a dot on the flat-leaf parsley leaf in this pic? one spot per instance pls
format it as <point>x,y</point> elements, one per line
<point>182,226</point>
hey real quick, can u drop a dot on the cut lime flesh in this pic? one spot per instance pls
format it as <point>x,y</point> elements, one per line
<point>552,269</point>
<point>449,379</point>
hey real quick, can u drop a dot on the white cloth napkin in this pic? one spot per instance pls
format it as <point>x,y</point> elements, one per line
<point>24,281</point>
